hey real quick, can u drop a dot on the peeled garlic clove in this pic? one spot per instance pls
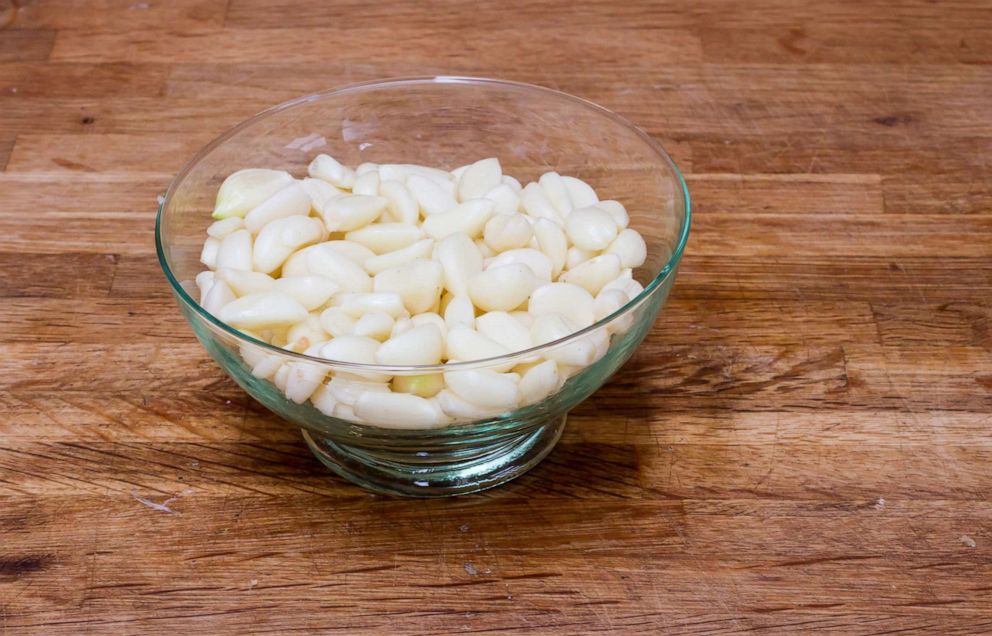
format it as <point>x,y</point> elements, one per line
<point>537,261</point>
<point>536,203</point>
<point>350,348</point>
<point>479,178</point>
<point>610,301</point>
<point>431,198</point>
<point>553,243</point>
<point>576,256</point>
<point>386,237</point>
<point>630,247</point>
<point>367,183</point>
<point>507,231</point>
<point>292,200</point>
<point>581,352</point>
<point>245,189</point>
<point>377,324</point>
<point>426,385</point>
<point>304,378</point>
<point>430,318</point>
<point>464,343</point>
<point>323,400</point>
<point>590,228</point>
<point>235,251</point>
<point>507,199</point>
<point>208,255</point>
<point>266,367</point>
<point>539,382</point>
<point>523,318</point>
<point>484,249</point>
<point>336,322</point>
<point>616,210</point>
<point>346,391</point>
<point>326,260</point>
<point>418,346</point>
<point>580,192</point>
<point>355,252</point>
<point>625,283</point>
<point>220,229</point>
<point>320,192</point>
<point>487,388</point>
<point>244,282</point>
<point>593,274</point>
<point>399,411</point>
<point>554,187</point>
<point>459,409</point>
<point>402,325</point>
<point>403,171</point>
<point>357,305</point>
<point>280,376</point>
<point>267,309</point>
<point>566,299</point>
<point>280,238</point>
<point>204,281</point>
<point>329,169</point>
<point>502,288</point>
<point>418,283</point>
<point>401,206</point>
<point>420,249</point>
<point>504,329</point>
<point>352,211</point>
<point>459,311</point>
<point>366,167</point>
<point>306,334</point>
<point>512,182</point>
<point>468,217</point>
<point>219,296</point>
<point>311,291</point>
<point>460,259</point>
<point>550,327</point>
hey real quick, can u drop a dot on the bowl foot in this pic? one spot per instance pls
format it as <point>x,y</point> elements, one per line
<point>439,473</point>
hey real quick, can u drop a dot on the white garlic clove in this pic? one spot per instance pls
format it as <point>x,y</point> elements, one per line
<point>204,281</point>
<point>552,242</point>
<point>462,410</point>
<point>267,309</point>
<point>539,382</point>
<point>418,250</point>
<point>367,184</point>
<point>386,237</point>
<point>245,189</point>
<point>591,228</point>
<point>329,169</point>
<point>507,231</point>
<point>431,198</point>
<point>327,260</point>
<point>536,203</point>
<point>352,211</point>
<point>537,261</point>
<point>399,411</point>
<point>418,283</point>
<point>337,322</point>
<point>479,178</point>
<point>426,385</point>
<point>468,217</point>
<point>312,291</point>
<point>505,198</point>
<point>376,324</point>
<point>235,251</point>
<point>563,298</point>
<point>575,256</point>
<point>320,192</point>
<point>244,282</point>
<point>593,274</point>
<point>418,346</point>
<point>460,260</point>
<point>502,288</point>
<point>487,388</point>
<point>292,200</point>
<point>616,210</point>
<point>554,187</point>
<point>220,229</point>
<point>401,206</point>
<point>280,238</point>
<point>504,329</point>
<point>630,247</point>
<point>208,255</point>
<point>464,343</point>
<point>219,296</point>
<point>580,192</point>
<point>359,304</point>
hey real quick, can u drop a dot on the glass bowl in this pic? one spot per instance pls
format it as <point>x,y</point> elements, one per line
<point>441,122</point>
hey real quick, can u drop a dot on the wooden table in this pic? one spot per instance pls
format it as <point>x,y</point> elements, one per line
<point>803,443</point>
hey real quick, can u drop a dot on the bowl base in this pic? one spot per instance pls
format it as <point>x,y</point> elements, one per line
<point>438,474</point>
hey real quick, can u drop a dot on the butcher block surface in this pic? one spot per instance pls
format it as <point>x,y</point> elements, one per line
<point>802,443</point>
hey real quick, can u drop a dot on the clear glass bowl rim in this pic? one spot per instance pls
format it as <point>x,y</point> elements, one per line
<point>650,288</point>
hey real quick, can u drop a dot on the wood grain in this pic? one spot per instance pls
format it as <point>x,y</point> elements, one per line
<point>800,444</point>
